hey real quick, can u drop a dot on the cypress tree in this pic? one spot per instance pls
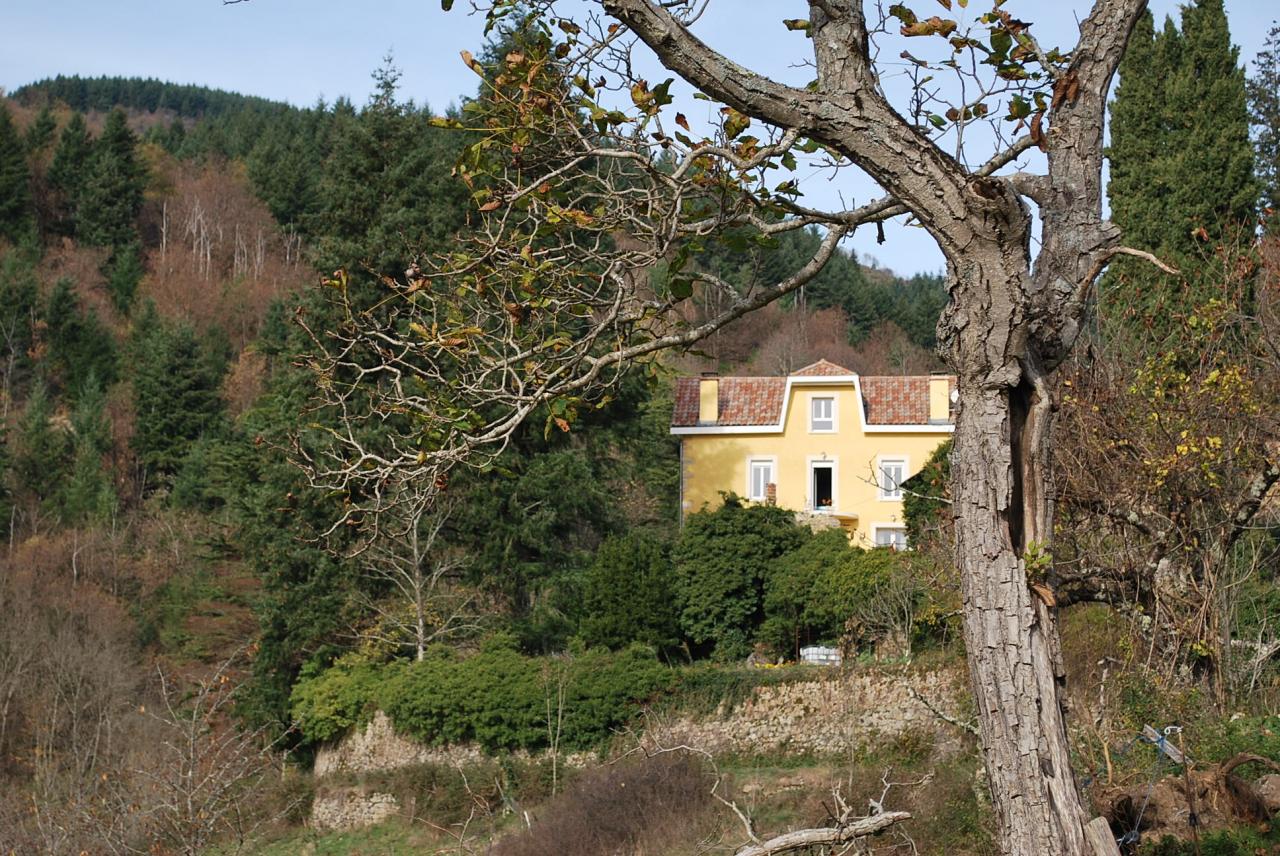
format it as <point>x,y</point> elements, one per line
<point>1264,109</point>
<point>1180,158</point>
<point>1212,166</point>
<point>15,181</point>
<point>112,194</point>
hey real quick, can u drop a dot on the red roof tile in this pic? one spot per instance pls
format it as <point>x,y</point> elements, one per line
<point>747,401</point>
<point>743,401</point>
<point>822,368</point>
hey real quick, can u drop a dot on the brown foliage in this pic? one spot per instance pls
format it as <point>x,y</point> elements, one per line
<point>632,808</point>
<point>216,256</point>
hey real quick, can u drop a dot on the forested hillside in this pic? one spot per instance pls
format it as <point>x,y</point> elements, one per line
<point>159,243</point>
<point>190,608</point>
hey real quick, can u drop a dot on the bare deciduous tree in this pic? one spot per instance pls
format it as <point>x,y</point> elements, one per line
<point>427,603</point>
<point>590,197</point>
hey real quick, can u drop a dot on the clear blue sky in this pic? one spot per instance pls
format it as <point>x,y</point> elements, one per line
<point>300,50</point>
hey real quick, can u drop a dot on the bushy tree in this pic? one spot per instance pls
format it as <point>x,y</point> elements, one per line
<point>626,595</point>
<point>722,561</point>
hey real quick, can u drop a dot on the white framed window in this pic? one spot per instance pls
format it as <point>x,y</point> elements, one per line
<point>761,472</point>
<point>822,486</point>
<point>890,474</point>
<point>890,536</point>
<point>822,414</point>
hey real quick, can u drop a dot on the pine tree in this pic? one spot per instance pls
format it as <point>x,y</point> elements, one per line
<point>69,170</point>
<point>15,182</point>
<point>111,198</point>
<point>175,394</point>
<point>79,346</point>
<point>124,271</point>
<point>1264,108</point>
<point>88,493</point>
<point>40,132</point>
<point>42,459</point>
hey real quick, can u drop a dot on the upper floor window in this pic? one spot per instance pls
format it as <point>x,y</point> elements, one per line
<point>759,477</point>
<point>892,473</point>
<point>822,414</point>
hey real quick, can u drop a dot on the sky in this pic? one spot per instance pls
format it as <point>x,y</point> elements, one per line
<point>303,50</point>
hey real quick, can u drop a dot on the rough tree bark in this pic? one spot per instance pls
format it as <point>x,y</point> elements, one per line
<point>1009,323</point>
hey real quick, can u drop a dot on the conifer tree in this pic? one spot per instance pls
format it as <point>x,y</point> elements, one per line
<point>43,455</point>
<point>40,132</point>
<point>1213,187</point>
<point>112,194</point>
<point>15,182</point>
<point>88,493</point>
<point>79,345</point>
<point>1264,108</point>
<point>1181,160</point>
<point>124,272</point>
<point>175,394</point>
<point>69,169</point>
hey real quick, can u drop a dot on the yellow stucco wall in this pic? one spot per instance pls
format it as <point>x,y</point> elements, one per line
<point>719,462</point>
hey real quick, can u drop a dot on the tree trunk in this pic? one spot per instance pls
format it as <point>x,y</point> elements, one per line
<point>1002,491</point>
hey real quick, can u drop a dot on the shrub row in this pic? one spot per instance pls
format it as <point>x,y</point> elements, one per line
<point>498,698</point>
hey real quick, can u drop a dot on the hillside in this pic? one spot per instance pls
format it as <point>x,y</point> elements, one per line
<point>209,625</point>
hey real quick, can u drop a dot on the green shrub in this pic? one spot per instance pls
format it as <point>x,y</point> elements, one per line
<point>626,595</point>
<point>499,698</point>
<point>722,561</point>
<point>815,590</point>
<point>326,705</point>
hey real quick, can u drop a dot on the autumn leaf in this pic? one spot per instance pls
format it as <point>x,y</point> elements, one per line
<point>933,26</point>
<point>682,121</point>
<point>471,62</point>
<point>491,205</point>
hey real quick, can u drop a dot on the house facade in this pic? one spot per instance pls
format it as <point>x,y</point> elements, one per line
<point>822,441</point>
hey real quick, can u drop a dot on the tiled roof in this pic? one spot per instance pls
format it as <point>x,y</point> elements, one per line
<point>748,401</point>
<point>896,400</point>
<point>743,401</point>
<point>822,368</point>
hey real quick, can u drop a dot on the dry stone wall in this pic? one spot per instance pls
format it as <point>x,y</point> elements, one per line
<point>828,717</point>
<point>831,715</point>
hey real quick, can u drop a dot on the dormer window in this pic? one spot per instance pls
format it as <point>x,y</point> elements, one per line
<point>822,414</point>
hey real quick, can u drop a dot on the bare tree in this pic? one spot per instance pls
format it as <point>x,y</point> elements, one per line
<point>590,197</point>
<point>427,602</point>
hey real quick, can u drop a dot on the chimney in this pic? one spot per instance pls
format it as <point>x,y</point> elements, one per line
<point>708,398</point>
<point>939,398</point>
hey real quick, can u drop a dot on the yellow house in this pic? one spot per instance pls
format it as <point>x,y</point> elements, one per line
<point>823,442</point>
